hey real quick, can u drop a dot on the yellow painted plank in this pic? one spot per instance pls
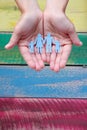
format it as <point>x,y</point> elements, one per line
<point>79,20</point>
<point>77,6</point>
<point>42,4</point>
<point>76,11</point>
<point>8,19</point>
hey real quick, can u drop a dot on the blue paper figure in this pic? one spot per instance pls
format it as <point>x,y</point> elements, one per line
<point>31,46</point>
<point>39,43</point>
<point>57,43</point>
<point>48,41</point>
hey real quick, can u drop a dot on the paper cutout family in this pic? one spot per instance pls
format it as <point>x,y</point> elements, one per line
<point>40,42</point>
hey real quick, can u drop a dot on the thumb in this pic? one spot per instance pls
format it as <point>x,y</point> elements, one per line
<point>74,37</point>
<point>13,41</point>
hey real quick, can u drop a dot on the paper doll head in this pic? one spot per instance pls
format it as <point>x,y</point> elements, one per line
<point>39,35</point>
<point>48,35</point>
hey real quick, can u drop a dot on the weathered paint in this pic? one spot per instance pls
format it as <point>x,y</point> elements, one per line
<point>20,81</point>
<point>43,114</point>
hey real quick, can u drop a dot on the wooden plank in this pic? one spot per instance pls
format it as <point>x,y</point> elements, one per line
<point>77,6</point>
<point>77,12</point>
<point>43,114</point>
<point>77,57</point>
<point>20,81</point>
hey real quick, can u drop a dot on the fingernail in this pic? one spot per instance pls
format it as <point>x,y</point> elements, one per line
<point>81,43</point>
<point>7,46</point>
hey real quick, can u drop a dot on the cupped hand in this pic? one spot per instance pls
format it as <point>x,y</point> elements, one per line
<point>62,29</point>
<point>25,31</point>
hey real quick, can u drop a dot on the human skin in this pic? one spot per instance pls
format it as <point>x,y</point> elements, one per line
<point>54,21</point>
<point>62,29</point>
<point>26,30</point>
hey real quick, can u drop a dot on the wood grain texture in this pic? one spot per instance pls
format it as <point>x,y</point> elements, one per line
<point>20,81</point>
<point>43,114</point>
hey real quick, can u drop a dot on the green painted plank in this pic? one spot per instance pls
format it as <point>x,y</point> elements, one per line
<point>78,55</point>
<point>9,56</point>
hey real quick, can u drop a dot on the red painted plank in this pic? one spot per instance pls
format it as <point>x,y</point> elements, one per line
<point>43,114</point>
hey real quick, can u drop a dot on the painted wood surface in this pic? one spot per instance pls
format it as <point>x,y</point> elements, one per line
<point>20,81</point>
<point>77,12</point>
<point>43,114</point>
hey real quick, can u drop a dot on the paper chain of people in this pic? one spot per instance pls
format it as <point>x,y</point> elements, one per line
<point>40,42</point>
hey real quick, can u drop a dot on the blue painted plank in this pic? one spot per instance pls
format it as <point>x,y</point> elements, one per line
<point>21,81</point>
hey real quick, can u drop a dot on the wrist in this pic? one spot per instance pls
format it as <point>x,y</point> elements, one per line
<point>58,5</point>
<point>25,6</point>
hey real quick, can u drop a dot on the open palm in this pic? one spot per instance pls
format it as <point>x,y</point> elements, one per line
<point>25,31</point>
<point>62,30</point>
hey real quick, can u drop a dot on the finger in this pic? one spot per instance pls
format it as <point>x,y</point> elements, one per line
<point>43,55</point>
<point>74,37</point>
<point>57,62</point>
<point>53,58</point>
<point>48,57</point>
<point>39,59</point>
<point>13,41</point>
<point>27,56</point>
<point>65,55</point>
<point>37,68</point>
